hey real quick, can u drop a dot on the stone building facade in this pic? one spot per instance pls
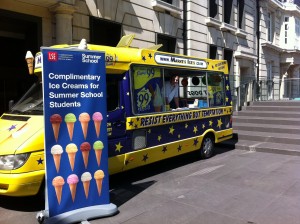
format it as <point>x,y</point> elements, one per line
<point>235,30</point>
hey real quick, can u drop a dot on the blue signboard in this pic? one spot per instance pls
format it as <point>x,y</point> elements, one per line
<point>77,184</point>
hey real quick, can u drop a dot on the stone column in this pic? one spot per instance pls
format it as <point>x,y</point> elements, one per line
<point>63,16</point>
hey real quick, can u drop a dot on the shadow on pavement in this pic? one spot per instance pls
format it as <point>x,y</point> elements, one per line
<point>123,187</point>
<point>24,204</point>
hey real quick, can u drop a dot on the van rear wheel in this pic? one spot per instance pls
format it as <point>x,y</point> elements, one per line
<point>207,148</point>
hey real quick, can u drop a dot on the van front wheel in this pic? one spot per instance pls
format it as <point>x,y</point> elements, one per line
<point>207,148</point>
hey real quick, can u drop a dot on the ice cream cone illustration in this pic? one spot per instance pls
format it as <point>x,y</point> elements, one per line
<point>98,146</point>
<point>97,118</point>
<point>58,183</point>
<point>29,59</point>
<point>70,119</point>
<point>56,152</point>
<point>157,99</point>
<point>71,149</point>
<point>85,148</point>
<point>86,179</point>
<point>72,180</point>
<point>84,119</point>
<point>55,120</point>
<point>99,175</point>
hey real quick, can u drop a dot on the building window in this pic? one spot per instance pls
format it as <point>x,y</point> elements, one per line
<point>270,24</point>
<point>228,11</point>
<point>286,29</point>
<point>168,42</point>
<point>241,5</point>
<point>168,1</point>
<point>297,29</point>
<point>104,32</point>
<point>213,51</point>
<point>213,8</point>
<point>228,57</point>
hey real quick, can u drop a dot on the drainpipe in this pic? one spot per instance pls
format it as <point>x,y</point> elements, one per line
<point>258,46</point>
<point>184,32</point>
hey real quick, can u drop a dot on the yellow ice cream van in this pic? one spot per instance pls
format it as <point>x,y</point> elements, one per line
<point>159,105</point>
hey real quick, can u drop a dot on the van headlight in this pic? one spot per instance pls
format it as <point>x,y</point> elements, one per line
<point>11,162</point>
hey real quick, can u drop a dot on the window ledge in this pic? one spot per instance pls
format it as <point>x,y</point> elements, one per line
<point>270,45</point>
<point>213,22</point>
<point>241,33</point>
<point>245,55</point>
<point>228,27</point>
<point>163,6</point>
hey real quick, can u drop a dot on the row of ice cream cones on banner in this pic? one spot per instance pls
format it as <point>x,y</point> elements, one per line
<point>70,119</point>
<point>58,182</point>
<point>72,149</point>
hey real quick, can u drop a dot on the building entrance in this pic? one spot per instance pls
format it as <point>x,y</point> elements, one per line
<point>18,33</point>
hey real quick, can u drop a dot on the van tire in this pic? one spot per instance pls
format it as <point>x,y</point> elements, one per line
<point>207,147</point>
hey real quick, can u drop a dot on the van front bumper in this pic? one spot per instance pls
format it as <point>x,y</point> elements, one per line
<point>22,184</point>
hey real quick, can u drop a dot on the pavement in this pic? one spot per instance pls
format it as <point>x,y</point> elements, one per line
<point>233,187</point>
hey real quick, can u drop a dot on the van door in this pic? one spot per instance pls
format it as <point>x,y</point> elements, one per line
<point>116,125</point>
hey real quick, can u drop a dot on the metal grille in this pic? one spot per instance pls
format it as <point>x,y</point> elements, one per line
<point>139,139</point>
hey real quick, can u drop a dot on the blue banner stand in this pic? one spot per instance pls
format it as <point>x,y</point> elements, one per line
<point>89,67</point>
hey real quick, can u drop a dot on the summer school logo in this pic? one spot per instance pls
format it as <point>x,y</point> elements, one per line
<point>90,58</point>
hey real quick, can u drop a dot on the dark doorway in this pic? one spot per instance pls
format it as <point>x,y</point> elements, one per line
<point>18,33</point>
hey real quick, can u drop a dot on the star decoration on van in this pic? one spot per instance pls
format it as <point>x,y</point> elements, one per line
<point>196,142</point>
<point>195,129</point>
<point>128,161</point>
<point>159,138</point>
<point>203,126</point>
<point>227,87</point>
<point>143,58</point>
<point>118,147</point>
<point>130,123</point>
<point>164,149</point>
<point>210,123</point>
<point>219,123</point>
<point>40,161</point>
<point>14,126</point>
<point>186,125</point>
<point>171,130</point>
<point>145,157</point>
<point>150,55</point>
<point>179,148</point>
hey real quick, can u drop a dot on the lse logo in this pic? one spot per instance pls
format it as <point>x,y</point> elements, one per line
<point>52,56</point>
